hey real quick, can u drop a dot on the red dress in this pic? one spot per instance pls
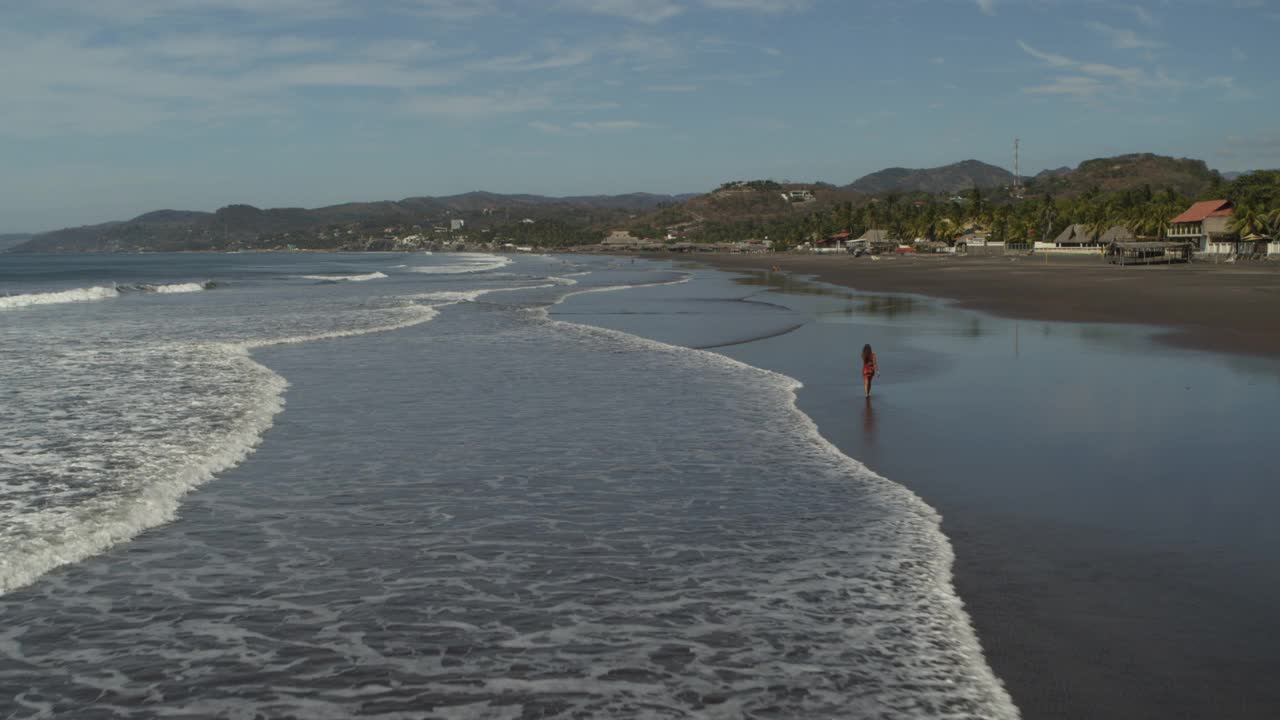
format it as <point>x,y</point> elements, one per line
<point>869,367</point>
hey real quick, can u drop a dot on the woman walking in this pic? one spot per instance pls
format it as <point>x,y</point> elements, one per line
<point>869,368</point>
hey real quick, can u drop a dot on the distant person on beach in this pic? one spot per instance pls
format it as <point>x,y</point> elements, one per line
<point>869,368</point>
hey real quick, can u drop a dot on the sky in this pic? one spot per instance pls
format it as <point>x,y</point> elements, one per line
<point>112,108</point>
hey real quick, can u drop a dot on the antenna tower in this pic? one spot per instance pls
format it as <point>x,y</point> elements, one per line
<point>1017,177</point>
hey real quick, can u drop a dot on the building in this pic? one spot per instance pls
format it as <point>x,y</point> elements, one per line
<point>1116,234</point>
<point>835,240</point>
<point>456,224</point>
<point>1076,235</point>
<point>878,241</point>
<point>797,195</point>
<point>1205,225</point>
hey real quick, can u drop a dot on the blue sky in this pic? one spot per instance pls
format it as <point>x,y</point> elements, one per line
<point>110,108</point>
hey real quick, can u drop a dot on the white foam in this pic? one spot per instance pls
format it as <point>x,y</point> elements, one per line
<point>465,263</point>
<point>155,503</point>
<point>940,557</point>
<point>11,302</point>
<point>180,287</point>
<point>63,535</point>
<point>348,278</point>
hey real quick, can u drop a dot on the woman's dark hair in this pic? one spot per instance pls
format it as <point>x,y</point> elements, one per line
<point>866,354</point>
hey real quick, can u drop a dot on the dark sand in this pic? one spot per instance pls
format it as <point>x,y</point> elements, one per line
<point>1084,624</point>
<point>1224,307</point>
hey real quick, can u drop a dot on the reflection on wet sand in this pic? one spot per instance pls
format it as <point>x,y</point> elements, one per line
<point>869,423</point>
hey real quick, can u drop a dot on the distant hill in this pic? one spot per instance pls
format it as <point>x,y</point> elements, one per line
<point>12,239</point>
<point>249,227</point>
<point>1126,172</point>
<point>946,179</point>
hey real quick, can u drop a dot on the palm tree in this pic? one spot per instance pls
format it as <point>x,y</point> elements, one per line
<point>1048,215</point>
<point>1096,214</point>
<point>1000,224</point>
<point>978,208</point>
<point>1249,219</point>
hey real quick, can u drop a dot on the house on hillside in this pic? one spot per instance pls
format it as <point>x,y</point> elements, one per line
<point>1205,225</point>
<point>797,195</point>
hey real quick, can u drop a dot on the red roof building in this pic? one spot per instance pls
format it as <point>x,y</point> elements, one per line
<point>1203,209</point>
<point>1205,224</point>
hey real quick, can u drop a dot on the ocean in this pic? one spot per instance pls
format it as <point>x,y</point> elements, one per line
<point>451,486</point>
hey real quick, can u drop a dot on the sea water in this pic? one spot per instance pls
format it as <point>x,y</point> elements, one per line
<point>410,485</point>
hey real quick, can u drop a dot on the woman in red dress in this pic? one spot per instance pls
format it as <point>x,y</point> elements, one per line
<point>869,368</point>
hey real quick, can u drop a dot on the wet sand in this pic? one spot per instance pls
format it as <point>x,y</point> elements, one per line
<point>1089,600</point>
<point>1224,307</point>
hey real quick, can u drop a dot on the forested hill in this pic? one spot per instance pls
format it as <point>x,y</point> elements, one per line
<point>350,226</point>
<point>1127,172</point>
<point>946,179</point>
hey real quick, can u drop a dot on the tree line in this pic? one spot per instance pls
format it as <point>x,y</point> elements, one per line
<point>1144,211</point>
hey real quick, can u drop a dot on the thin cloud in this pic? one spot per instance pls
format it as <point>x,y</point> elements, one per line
<point>1054,60</point>
<point>1077,86</point>
<point>613,125</point>
<point>760,6</point>
<point>645,11</point>
<point>1090,79</point>
<point>530,63</point>
<point>456,9</point>
<point>584,126</point>
<point>123,89</point>
<point>138,11</point>
<point>1144,15</point>
<point>988,7</point>
<point>672,88</point>
<point>471,106</point>
<point>1123,39</point>
<point>1231,90</point>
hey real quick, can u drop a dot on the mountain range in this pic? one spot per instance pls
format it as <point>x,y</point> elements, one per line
<point>245,226</point>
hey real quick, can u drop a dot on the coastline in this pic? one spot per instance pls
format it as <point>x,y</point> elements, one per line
<point>1220,307</point>
<point>1077,617</point>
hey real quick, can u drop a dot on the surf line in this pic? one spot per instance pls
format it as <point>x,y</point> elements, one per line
<point>938,578</point>
<point>158,502</point>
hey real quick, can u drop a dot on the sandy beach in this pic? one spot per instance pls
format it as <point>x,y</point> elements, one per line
<point>1087,605</point>
<point>1221,307</point>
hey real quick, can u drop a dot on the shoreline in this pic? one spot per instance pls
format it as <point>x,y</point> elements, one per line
<point>1230,308</point>
<point>1076,616</point>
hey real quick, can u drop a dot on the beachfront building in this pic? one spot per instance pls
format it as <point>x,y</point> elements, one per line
<point>878,241</point>
<point>1116,234</point>
<point>1075,236</point>
<point>1205,225</point>
<point>835,242</point>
